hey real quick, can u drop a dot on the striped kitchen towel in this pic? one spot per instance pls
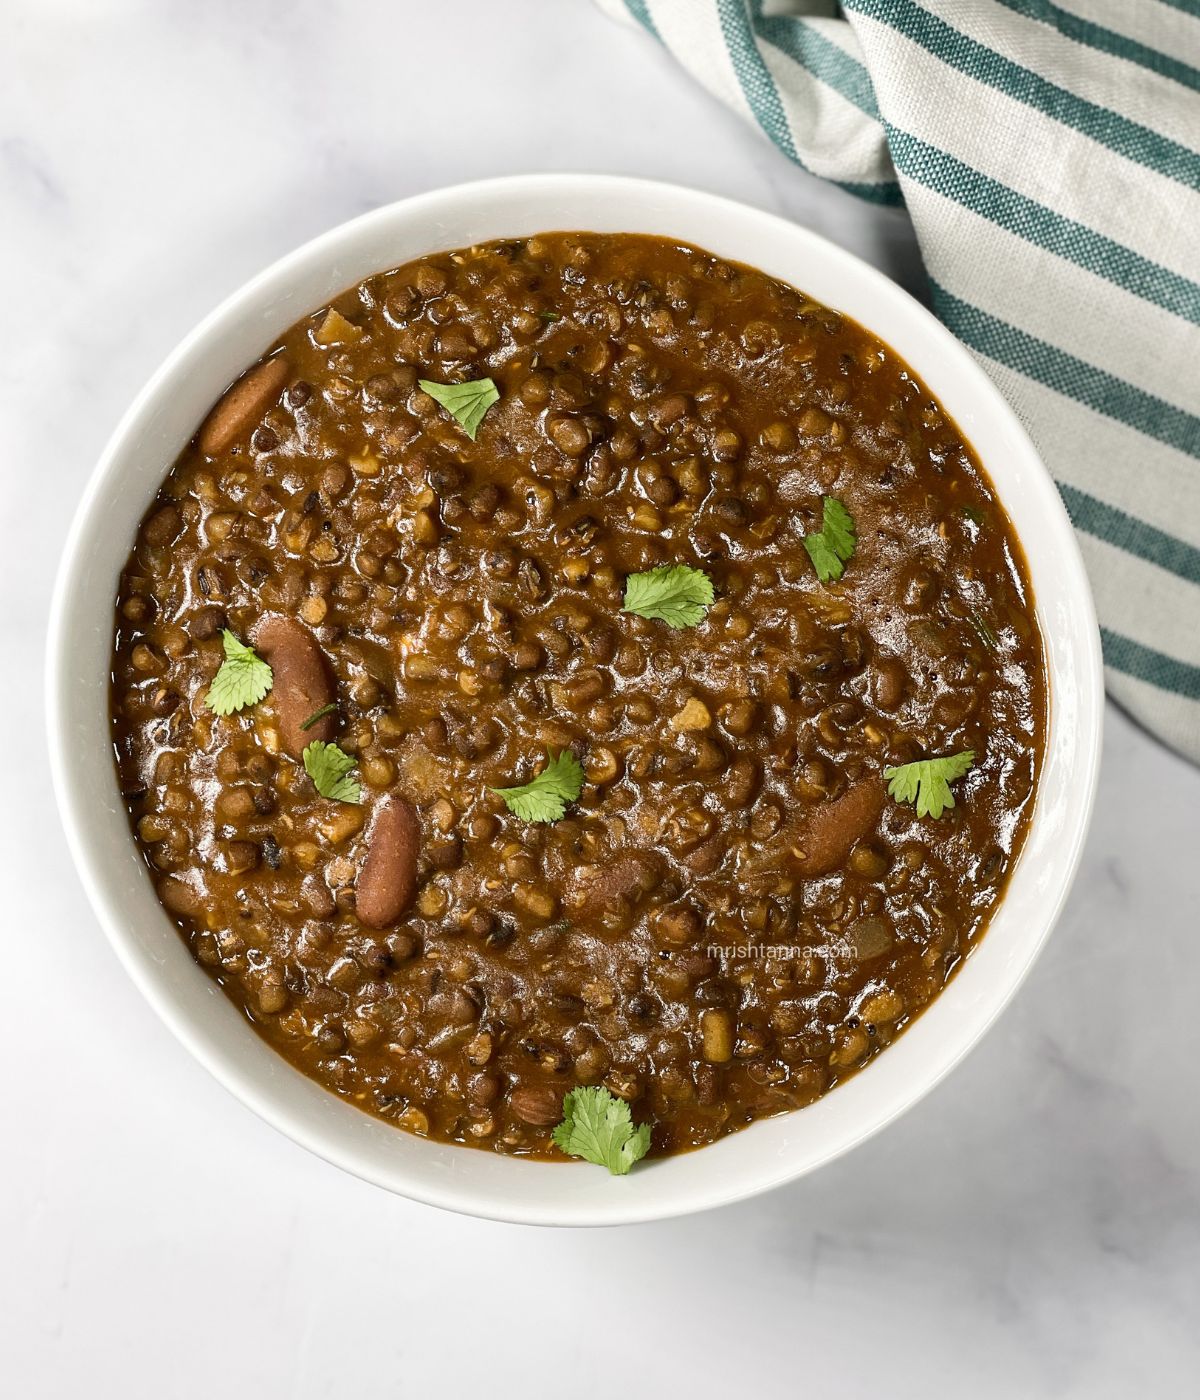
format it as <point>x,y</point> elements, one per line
<point>1049,156</point>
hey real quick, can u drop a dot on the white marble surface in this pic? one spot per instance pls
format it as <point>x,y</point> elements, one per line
<point>1031,1229</point>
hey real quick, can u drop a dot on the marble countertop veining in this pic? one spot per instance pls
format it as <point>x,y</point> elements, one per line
<point>1031,1229</point>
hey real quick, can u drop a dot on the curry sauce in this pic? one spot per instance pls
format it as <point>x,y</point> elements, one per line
<point>737,910</point>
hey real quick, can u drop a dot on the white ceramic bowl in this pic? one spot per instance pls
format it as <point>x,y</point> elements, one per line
<point>161,421</point>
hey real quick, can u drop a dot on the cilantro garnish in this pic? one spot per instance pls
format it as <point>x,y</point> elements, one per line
<point>545,798</point>
<point>598,1127</point>
<point>927,782</point>
<point>329,768</point>
<point>466,403</point>
<point>244,678</point>
<point>982,630</point>
<point>330,709</point>
<point>676,594</point>
<point>833,544</point>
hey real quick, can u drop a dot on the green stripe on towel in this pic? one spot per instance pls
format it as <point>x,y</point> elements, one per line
<point>762,97</point>
<point>1108,41</point>
<point>641,12</point>
<point>1145,664</point>
<point>1038,359</point>
<point>824,60</point>
<point>1128,138</point>
<point>1096,253</point>
<point>1133,536</point>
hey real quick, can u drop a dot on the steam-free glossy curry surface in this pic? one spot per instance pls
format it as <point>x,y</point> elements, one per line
<point>734,914</point>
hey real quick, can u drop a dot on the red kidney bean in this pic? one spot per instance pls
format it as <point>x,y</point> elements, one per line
<point>539,1105</point>
<point>825,834</point>
<point>303,683</point>
<point>388,878</point>
<point>626,876</point>
<point>242,406</point>
<point>181,898</point>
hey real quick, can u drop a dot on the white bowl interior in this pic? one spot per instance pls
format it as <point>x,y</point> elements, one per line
<point>133,466</point>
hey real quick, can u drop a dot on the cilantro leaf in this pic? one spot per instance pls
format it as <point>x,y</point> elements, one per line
<point>244,678</point>
<point>329,768</point>
<point>545,798</point>
<point>467,403</point>
<point>833,544</point>
<point>676,594</point>
<point>927,782</point>
<point>598,1127</point>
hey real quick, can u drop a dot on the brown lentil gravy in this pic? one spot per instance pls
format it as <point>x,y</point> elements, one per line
<point>734,915</point>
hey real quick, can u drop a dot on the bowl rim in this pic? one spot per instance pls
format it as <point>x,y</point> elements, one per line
<point>80,816</point>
